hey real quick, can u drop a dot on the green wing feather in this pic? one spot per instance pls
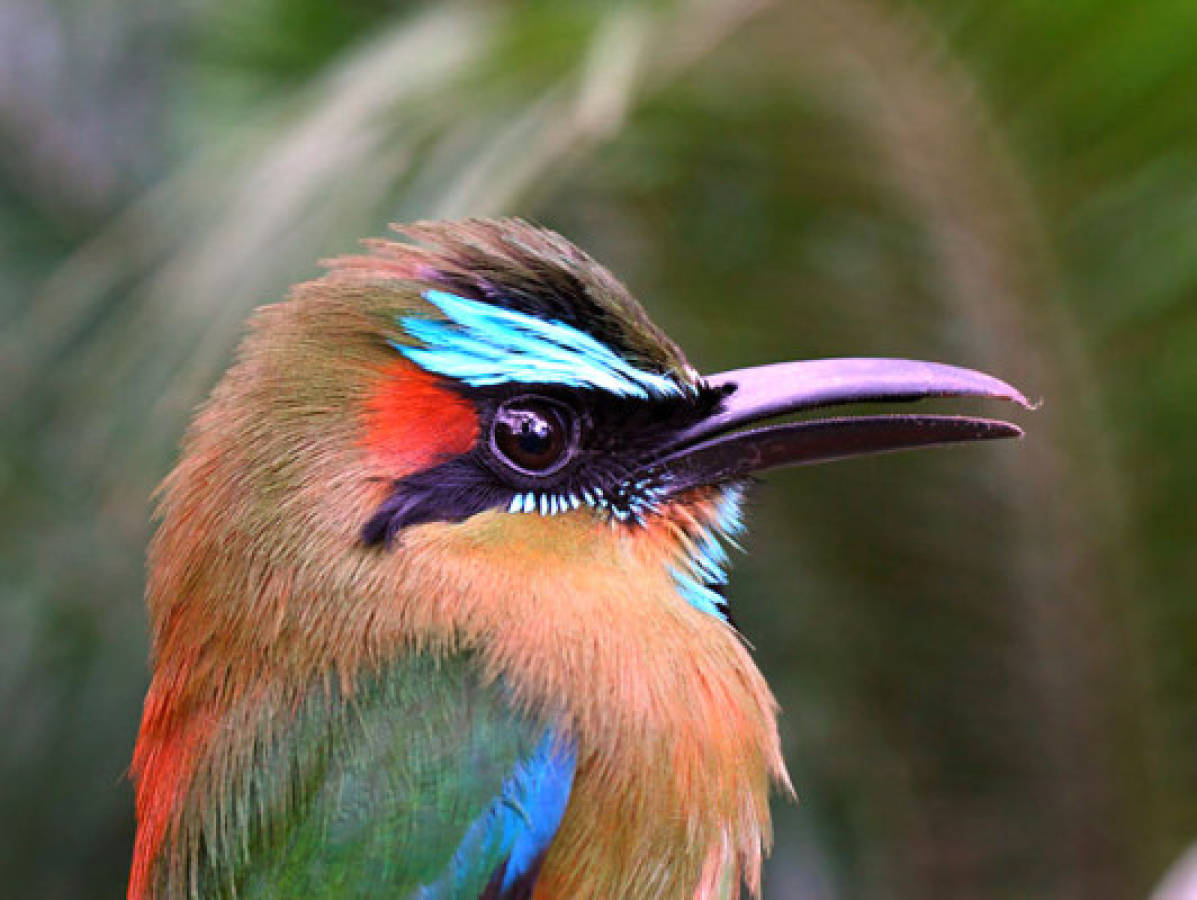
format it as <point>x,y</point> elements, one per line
<point>381,791</point>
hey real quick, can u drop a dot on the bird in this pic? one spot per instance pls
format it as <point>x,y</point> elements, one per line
<point>437,592</point>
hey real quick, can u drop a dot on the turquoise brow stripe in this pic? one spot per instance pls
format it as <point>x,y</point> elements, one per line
<point>482,344</point>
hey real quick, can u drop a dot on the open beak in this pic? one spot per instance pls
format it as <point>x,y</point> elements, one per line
<point>719,448</point>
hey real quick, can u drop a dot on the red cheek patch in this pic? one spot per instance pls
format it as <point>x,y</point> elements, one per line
<point>412,422</point>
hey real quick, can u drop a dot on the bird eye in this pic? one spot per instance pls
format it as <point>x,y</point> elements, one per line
<point>534,435</point>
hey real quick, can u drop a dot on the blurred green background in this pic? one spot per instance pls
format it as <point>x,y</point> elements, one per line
<point>987,657</point>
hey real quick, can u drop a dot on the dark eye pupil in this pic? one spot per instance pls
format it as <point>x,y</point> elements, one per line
<point>533,435</point>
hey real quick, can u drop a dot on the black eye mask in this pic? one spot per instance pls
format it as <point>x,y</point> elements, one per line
<point>546,450</point>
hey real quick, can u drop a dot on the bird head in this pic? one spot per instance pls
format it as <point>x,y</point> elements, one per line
<point>487,412</point>
<point>477,440</point>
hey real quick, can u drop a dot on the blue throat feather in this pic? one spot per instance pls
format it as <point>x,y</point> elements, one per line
<point>706,560</point>
<point>483,345</point>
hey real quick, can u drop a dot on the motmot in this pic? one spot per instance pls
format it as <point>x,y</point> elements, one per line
<point>438,588</point>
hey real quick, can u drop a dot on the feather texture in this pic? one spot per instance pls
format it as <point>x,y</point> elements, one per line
<point>426,782</point>
<point>482,345</point>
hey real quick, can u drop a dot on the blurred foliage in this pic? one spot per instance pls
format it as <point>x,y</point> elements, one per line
<point>986,656</point>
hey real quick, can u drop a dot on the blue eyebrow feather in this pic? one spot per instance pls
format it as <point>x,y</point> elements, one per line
<point>482,344</point>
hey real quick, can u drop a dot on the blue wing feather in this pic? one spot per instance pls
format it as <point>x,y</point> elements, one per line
<point>518,825</point>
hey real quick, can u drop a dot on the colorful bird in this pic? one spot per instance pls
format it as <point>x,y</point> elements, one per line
<point>436,593</point>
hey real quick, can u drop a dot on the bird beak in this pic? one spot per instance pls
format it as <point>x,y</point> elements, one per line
<point>718,448</point>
